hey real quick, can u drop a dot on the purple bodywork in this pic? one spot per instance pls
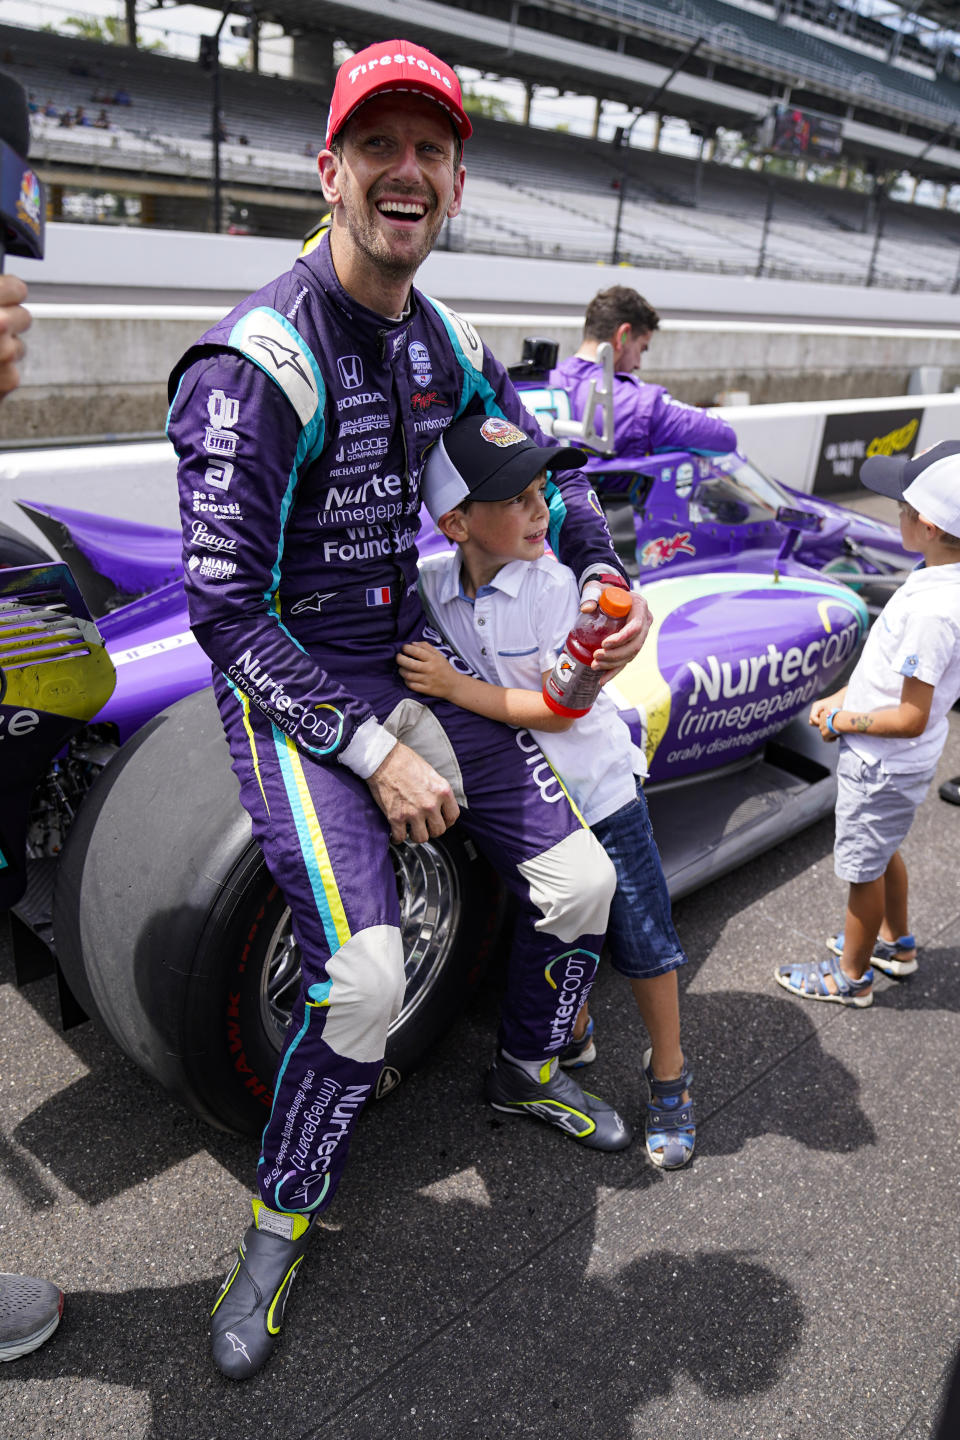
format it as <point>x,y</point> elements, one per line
<point>747,631</point>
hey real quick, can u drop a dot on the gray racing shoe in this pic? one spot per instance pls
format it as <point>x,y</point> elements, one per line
<point>557,1099</point>
<point>30,1311</point>
<point>247,1316</point>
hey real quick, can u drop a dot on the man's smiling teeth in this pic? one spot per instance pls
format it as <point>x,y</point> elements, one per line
<point>412,209</point>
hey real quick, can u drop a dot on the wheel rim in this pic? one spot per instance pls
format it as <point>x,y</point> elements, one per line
<point>428,886</point>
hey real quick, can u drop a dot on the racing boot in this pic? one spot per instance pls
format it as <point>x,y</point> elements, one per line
<point>248,1313</point>
<point>557,1098</point>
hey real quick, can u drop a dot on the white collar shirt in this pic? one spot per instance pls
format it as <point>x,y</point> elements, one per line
<point>509,635</point>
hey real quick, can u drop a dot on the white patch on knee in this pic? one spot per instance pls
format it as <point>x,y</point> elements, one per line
<point>572,885</point>
<point>366,993</point>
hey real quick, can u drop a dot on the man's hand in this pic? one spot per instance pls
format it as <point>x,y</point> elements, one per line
<point>416,800</point>
<point>426,671</point>
<point>626,643</point>
<point>14,320</point>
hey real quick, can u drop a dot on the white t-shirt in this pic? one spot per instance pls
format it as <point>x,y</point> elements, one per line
<point>510,634</point>
<point>916,634</point>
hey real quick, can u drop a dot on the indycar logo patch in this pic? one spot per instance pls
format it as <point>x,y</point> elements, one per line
<point>420,362</point>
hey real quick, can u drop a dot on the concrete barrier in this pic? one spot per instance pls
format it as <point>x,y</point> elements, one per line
<point>99,371</point>
<point>790,442</point>
<point>819,447</point>
<point>125,264</point>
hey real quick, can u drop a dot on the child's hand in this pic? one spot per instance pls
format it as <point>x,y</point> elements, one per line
<point>825,732</point>
<point>426,671</point>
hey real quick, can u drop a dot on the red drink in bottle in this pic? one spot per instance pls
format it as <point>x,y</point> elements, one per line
<point>571,687</point>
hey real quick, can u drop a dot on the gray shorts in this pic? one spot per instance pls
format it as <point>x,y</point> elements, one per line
<point>874,812</point>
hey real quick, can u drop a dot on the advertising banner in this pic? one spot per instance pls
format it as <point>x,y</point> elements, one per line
<point>850,439</point>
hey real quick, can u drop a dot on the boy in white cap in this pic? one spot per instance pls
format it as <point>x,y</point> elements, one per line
<point>891,720</point>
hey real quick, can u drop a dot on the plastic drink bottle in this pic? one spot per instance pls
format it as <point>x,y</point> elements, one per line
<point>571,687</point>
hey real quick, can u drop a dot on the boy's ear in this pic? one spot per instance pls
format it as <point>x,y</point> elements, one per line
<point>453,525</point>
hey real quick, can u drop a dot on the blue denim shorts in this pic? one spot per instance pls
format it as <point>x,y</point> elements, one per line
<point>874,813</point>
<point>640,936</point>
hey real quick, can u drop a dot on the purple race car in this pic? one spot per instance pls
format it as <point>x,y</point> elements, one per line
<point>123,844</point>
<point>682,511</point>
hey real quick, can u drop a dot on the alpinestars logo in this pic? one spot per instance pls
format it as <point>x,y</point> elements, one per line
<point>312,604</point>
<point>283,356</point>
<point>561,1117</point>
<point>238,1345</point>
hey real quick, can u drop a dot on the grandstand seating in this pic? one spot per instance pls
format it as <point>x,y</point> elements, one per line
<point>529,192</point>
<point>792,51</point>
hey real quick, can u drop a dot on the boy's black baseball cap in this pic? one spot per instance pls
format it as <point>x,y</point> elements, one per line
<point>484,457</point>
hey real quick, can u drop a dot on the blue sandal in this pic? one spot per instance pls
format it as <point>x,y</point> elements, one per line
<point>670,1122</point>
<point>808,980</point>
<point>885,954</point>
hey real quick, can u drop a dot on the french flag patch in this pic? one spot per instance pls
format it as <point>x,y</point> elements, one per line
<point>379,596</point>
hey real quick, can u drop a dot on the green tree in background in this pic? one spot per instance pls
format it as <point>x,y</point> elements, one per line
<point>490,106</point>
<point>103,29</point>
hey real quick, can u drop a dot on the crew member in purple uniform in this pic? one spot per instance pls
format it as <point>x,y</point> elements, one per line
<point>646,417</point>
<point>303,418</point>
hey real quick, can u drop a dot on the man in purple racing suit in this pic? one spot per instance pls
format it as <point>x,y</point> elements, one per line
<point>646,417</point>
<point>301,422</point>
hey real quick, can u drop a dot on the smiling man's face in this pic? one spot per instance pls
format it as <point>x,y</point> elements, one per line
<point>393,181</point>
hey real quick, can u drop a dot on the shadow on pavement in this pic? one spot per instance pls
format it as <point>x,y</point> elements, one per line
<point>721,1321</point>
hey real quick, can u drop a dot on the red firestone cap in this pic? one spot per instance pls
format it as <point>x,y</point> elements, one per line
<point>395,65</point>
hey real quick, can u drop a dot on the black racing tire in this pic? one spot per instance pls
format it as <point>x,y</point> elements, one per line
<point>169,928</point>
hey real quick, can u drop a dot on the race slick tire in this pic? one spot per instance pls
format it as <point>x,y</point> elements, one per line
<point>169,928</point>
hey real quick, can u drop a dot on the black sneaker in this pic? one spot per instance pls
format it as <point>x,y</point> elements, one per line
<point>558,1099</point>
<point>249,1309</point>
<point>30,1311</point>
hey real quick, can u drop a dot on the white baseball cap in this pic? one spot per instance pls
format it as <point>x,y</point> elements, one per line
<point>930,482</point>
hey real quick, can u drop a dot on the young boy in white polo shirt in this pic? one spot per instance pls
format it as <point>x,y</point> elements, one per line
<point>892,723</point>
<point>506,608</point>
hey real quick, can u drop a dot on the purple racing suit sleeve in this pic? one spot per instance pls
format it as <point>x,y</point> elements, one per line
<point>676,426</point>
<point>647,418</point>
<point>241,446</point>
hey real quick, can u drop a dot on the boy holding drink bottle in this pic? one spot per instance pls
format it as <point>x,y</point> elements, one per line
<point>505,610</point>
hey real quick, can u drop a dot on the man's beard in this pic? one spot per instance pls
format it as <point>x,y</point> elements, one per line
<point>376,246</point>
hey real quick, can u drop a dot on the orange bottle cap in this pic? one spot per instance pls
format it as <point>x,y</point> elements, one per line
<point>615,602</point>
